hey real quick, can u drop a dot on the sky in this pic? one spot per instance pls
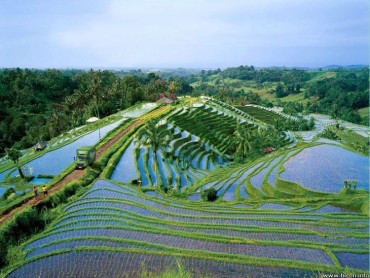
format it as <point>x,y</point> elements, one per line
<point>183,33</point>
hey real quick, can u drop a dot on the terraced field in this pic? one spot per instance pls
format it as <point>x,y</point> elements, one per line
<point>323,168</point>
<point>113,226</point>
<point>261,113</point>
<point>278,215</point>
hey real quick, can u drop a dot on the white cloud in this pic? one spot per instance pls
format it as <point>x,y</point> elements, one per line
<point>168,33</point>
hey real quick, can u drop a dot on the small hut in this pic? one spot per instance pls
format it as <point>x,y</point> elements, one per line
<point>165,100</point>
<point>268,150</point>
<point>40,146</point>
<point>92,120</point>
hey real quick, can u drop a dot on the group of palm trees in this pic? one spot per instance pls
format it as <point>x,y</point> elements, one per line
<point>239,142</point>
<point>158,138</point>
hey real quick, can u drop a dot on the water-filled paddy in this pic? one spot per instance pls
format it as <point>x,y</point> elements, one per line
<point>360,261</point>
<point>126,169</point>
<point>324,168</point>
<point>52,163</point>
<point>40,180</point>
<point>113,264</point>
<point>139,111</point>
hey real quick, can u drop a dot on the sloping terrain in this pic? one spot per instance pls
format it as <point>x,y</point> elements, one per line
<point>281,214</point>
<point>119,227</point>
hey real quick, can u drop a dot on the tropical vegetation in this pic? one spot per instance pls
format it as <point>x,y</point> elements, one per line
<point>217,185</point>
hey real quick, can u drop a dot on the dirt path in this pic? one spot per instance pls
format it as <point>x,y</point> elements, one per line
<point>76,174</point>
<point>111,142</point>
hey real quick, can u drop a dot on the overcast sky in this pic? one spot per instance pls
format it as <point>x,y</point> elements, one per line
<point>183,33</point>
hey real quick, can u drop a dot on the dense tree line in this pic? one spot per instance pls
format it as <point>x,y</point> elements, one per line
<point>38,105</point>
<point>340,96</point>
<point>290,77</point>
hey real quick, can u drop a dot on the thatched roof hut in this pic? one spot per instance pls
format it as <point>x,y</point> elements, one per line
<point>268,150</point>
<point>165,100</point>
<point>92,120</point>
<point>40,146</point>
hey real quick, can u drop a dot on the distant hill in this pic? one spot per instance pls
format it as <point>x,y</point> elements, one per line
<point>330,67</point>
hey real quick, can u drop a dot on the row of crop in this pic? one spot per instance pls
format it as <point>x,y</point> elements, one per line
<point>219,208</point>
<point>165,237</point>
<point>159,231</point>
<point>232,108</point>
<point>97,261</point>
<point>235,211</point>
<point>87,218</point>
<point>178,213</point>
<point>142,226</point>
<point>185,154</point>
<point>286,224</point>
<point>269,110</point>
<point>21,227</point>
<point>207,125</point>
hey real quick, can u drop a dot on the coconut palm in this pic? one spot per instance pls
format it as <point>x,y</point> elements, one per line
<point>157,138</point>
<point>15,155</point>
<point>213,157</point>
<point>239,142</point>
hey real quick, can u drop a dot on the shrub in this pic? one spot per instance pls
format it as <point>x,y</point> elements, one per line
<point>329,134</point>
<point>8,192</point>
<point>45,176</point>
<point>24,224</point>
<point>209,195</point>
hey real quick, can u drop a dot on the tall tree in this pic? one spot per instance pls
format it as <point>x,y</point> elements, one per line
<point>15,155</point>
<point>239,142</point>
<point>157,138</point>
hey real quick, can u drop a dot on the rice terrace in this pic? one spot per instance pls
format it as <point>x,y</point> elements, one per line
<point>139,207</point>
<point>184,139</point>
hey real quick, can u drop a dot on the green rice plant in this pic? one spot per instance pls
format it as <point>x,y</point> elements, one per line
<point>179,271</point>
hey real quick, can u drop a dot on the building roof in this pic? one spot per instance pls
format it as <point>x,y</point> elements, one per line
<point>41,145</point>
<point>165,100</point>
<point>92,120</point>
<point>268,150</point>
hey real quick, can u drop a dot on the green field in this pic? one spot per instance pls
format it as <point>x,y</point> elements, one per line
<point>364,112</point>
<point>261,114</point>
<point>109,224</point>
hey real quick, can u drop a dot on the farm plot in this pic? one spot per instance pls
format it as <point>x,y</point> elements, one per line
<point>105,263</point>
<point>353,260</point>
<point>230,108</point>
<point>325,120</point>
<point>126,169</point>
<point>182,163</point>
<point>117,222</point>
<point>261,114</point>
<point>53,162</point>
<point>257,178</point>
<point>207,124</point>
<point>325,167</point>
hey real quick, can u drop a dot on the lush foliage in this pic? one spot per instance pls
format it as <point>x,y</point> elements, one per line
<point>209,195</point>
<point>15,155</point>
<point>338,92</point>
<point>38,105</point>
<point>342,95</point>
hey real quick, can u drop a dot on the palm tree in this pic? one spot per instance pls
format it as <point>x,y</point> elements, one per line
<point>15,155</point>
<point>95,92</point>
<point>239,142</point>
<point>156,138</point>
<point>213,157</point>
